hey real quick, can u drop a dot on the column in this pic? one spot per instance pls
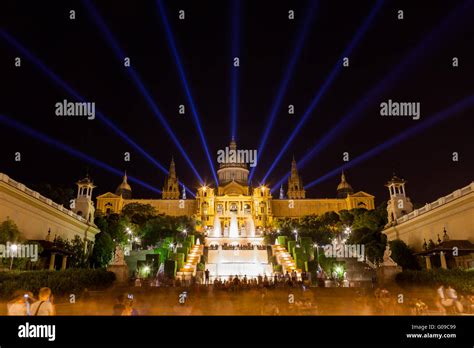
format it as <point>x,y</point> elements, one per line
<point>51,261</point>
<point>443,260</point>
<point>428,262</point>
<point>64,262</point>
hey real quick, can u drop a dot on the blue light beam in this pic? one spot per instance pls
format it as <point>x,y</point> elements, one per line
<point>413,57</point>
<point>139,84</point>
<point>182,74</point>
<point>332,76</point>
<point>69,150</point>
<point>234,78</point>
<point>286,79</point>
<point>62,84</point>
<point>434,119</point>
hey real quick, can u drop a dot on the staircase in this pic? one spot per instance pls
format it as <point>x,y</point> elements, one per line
<point>189,268</point>
<point>358,272</point>
<point>284,259</point>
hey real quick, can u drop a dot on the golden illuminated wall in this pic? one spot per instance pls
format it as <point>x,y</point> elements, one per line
<point>172,207</point>
<point>109,203</point>
<point>454,212</point>
<point>301,207</point>
<point>262,207</point>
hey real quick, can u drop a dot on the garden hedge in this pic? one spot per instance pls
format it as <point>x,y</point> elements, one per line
<point>282,240</point>
<point>69,281</point>
<point>459,279</point>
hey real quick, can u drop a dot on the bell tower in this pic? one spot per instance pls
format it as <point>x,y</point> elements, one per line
<point>344,189</point>
<point>171,187</point>
<point>399,204</point>
<point>84,206</point>
<point>295,183</point>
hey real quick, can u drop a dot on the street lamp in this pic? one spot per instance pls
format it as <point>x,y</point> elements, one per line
<point>13,249</point>
<point>317,253</point>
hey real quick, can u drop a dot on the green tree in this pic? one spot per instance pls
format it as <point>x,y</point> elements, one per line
<point>76,248</point>
<point>346,217</point>
<point>103,250</point>
<point>374,242</point>
<point>138,213</point>
<point>9,232</point>
<point>403,255</point>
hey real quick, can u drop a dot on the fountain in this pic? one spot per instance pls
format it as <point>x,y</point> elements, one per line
<point>216,232</point>
<point>250,227</point>
<point>234,226</point>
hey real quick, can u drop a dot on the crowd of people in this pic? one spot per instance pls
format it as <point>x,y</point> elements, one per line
<point>24,303</point>
<point>247,246</point>
<point>237,282</point>
<point>448,302</point>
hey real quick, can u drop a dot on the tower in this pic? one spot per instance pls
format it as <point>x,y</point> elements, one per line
<point>295,184</point>
<point>282,194</point>
<point>124,188</point>
<point>344,188</point>
<point>84,206</point>
<point>171,187</point>
<point>399,204</point>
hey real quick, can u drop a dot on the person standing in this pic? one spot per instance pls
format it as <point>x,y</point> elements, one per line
<point>44,305</point>
<point>20,304</point>
<point>206,275</point>
<point>119,306</point>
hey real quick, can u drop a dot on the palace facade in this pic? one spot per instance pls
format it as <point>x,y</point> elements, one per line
<point>254,207</point>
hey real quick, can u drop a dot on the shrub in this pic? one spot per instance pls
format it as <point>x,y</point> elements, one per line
<point>179,258</point>
<point>60,282</point>
<point>291,246</point>
<point>403,255</point>
<point>282,240</point>
<point>170,268</point>
<point>191,238</point>
<point>103,250</point>
<point>459,279</point>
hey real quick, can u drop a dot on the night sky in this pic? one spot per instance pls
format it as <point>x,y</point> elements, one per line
<point>77,51</point>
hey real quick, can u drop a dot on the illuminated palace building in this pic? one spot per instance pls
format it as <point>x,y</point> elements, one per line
<point>236,213</point>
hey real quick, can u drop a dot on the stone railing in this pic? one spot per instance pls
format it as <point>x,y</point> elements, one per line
<point>19,186</point>
<point>439,202</point>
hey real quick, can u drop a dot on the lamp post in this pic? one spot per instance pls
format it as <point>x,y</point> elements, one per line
<point>13,249</point>
<point>130,237</point>
<point>317,253</point>
<point>296,234</point>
